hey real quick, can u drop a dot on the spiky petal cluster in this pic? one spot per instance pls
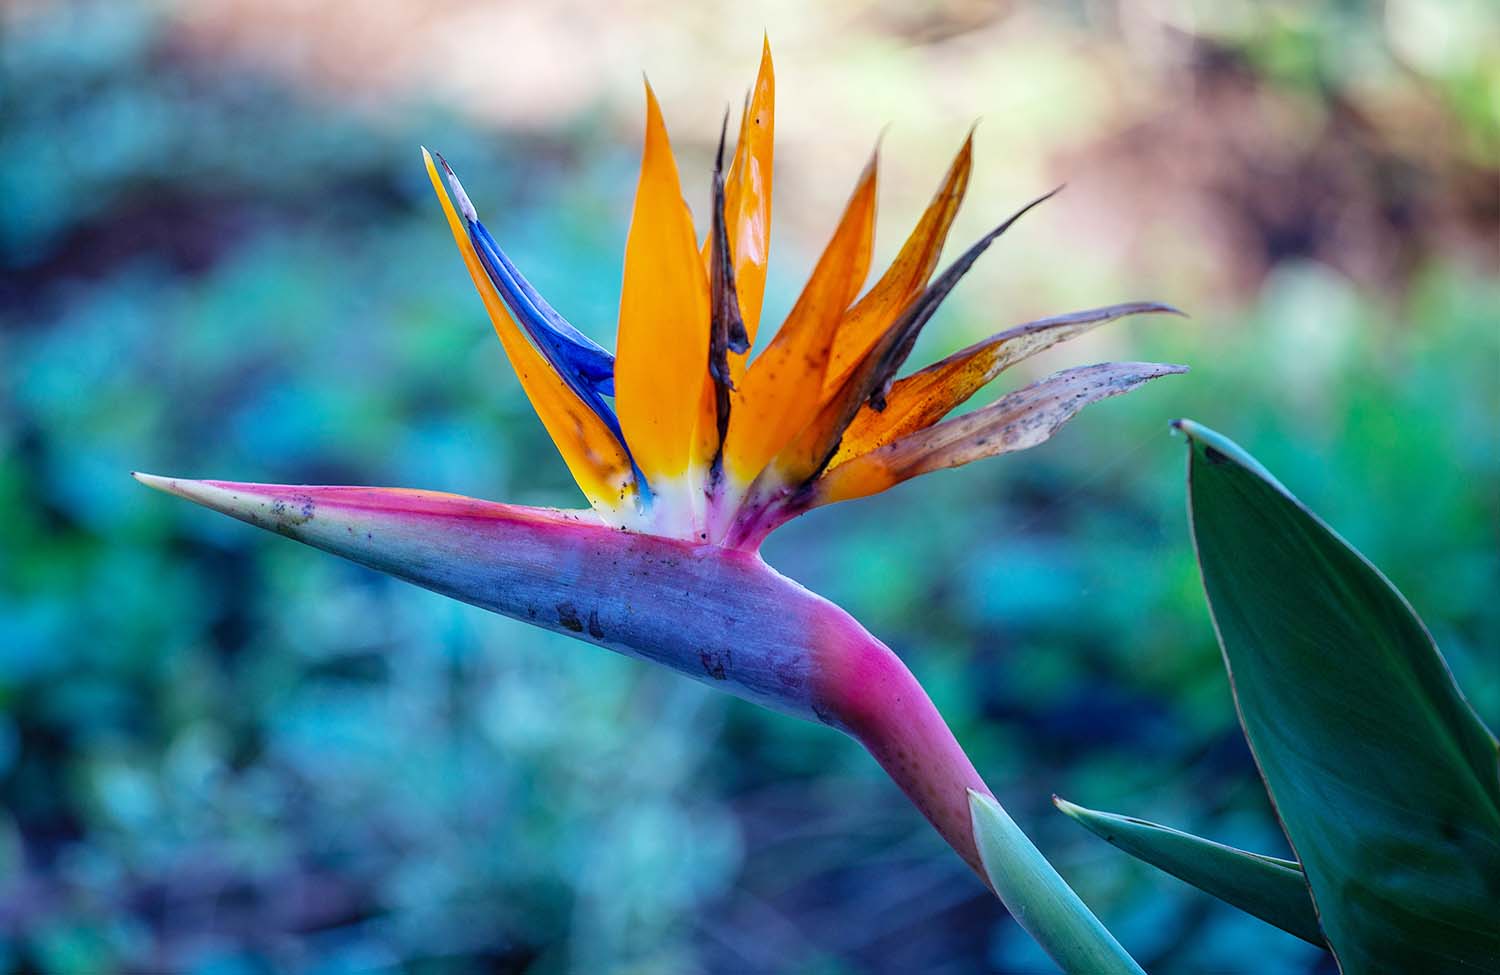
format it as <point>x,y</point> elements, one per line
<point>707,444</point>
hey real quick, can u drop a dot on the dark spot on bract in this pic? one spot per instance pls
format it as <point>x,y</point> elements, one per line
<point>595,630</point>
<point>1213,456</point>
<point>295,510</point>
<point>568,618</point>
<point>714,662</point>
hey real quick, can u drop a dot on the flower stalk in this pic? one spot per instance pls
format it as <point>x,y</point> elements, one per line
<point>718,615</point>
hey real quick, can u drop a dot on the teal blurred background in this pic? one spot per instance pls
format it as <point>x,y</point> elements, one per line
<point>223,753</point>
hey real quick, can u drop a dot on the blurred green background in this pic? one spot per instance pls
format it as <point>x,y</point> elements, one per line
<point>223,753</point>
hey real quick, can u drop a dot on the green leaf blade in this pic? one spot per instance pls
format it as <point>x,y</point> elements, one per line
<point>1386,782</point>
<point>1040,900</point>
<point>1270,888</point>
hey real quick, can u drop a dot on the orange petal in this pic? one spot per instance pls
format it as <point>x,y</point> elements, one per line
<point>662,350</point>
<point>869,381</point>
<point>925,397</point>
<point>782,390</point>
<point>907,275</point>
<point>747,201</point>
<point>593,454</point>
<point>747,194</point>
<point>1020,420</point>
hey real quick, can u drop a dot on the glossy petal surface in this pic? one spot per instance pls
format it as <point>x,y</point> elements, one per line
<point>747,198</point>
<point>662,350</point>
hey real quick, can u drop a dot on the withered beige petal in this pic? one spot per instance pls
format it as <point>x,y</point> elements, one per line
<point>926,396</point>
<point>1022,419</point>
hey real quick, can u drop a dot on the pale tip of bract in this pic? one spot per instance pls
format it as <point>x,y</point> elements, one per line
<point>456,188</point>
<point>236,500</point>
<point>201,492</point>
<point>156,481</point>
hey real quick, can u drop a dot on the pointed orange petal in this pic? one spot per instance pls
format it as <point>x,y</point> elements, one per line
<point>747,201</point>
<point>593,454</point>
<point>782,390</point>
<point>907,275</point>
<point>747,194</point>
<point>662,350</point>
<point>925,397</point>
<point>1020,420</point>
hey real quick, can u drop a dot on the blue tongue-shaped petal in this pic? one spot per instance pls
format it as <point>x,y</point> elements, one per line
<point>586,366</point>
<point>547,328</point>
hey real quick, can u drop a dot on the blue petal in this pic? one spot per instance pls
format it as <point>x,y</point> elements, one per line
<point>586,367</point>
<point>567,348</point>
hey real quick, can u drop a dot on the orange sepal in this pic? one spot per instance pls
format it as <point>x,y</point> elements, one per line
<point>662,347</point>
<point>782,389</point>
<point>747,198</point>
<point>595,457</point>
<point>904,280</point>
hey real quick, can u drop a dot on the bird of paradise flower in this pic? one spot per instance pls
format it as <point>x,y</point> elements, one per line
<point>706,450</point>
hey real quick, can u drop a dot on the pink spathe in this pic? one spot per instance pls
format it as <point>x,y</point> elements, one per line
<point>721,616</point>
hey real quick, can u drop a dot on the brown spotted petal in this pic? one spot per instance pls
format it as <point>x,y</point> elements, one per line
<point>805,457</point>
<point>1023,419</point>
<point>926,396</point>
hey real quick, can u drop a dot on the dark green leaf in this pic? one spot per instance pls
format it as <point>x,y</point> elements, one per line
<point>1386,782</point>
<point>1272,889</point>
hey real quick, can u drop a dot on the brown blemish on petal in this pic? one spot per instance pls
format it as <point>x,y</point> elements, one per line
<point>289,512</point>
<point>568,618</point>
<point>715,662</point>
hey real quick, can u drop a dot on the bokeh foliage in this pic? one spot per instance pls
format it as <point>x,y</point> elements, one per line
<point>222,753</point>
